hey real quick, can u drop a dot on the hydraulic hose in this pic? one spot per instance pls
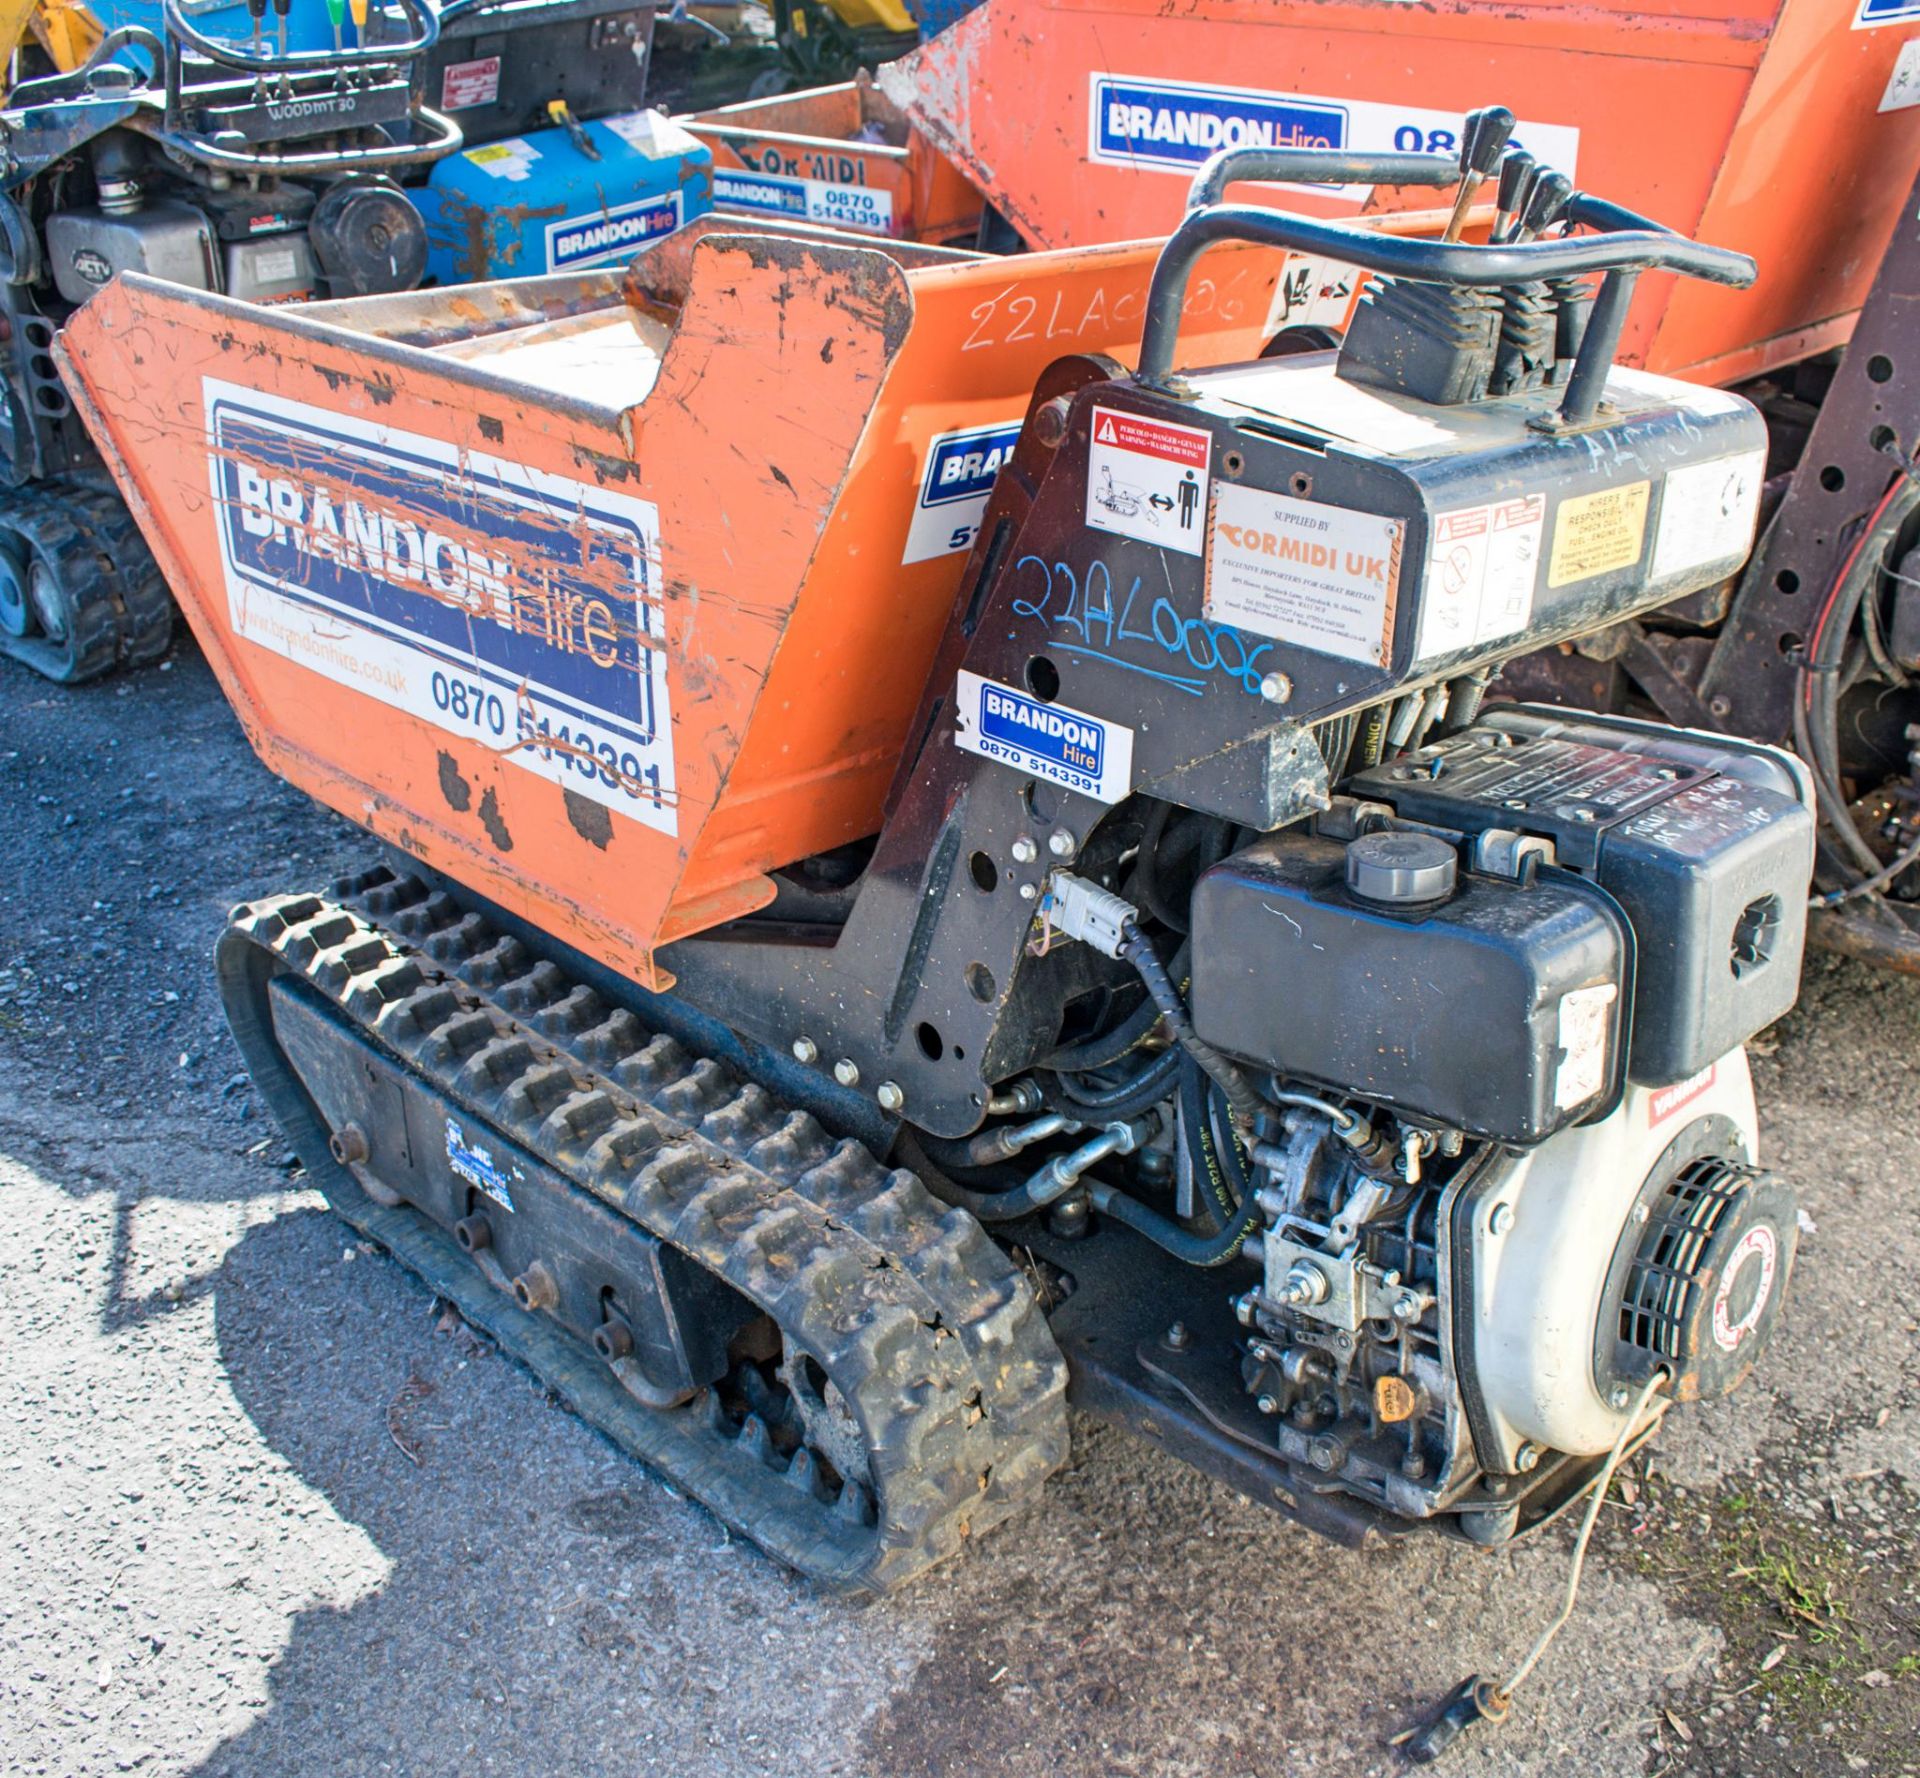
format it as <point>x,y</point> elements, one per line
<point>1109,1046</point>
<point>1218,1163</point>
<point>1141,1092</point>
<point>1138,950</point>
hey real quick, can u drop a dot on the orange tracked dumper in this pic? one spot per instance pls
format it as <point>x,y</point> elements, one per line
<point>943,835</point>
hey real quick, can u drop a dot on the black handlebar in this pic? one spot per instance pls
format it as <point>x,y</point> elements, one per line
<point>1315,166</point>
<point>1628,245</point>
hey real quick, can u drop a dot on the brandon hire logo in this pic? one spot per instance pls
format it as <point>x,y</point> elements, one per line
<point>1015,721</point>
<point>964,464</point>
<point>1171,124</point>
<point>587,240</point>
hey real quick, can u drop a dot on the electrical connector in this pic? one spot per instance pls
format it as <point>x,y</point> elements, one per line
<point>1079,909</point>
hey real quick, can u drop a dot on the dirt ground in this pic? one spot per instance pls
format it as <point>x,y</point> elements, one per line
<point>263,1509</point>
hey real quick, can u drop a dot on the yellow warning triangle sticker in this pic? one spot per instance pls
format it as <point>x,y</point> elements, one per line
<point>1106,434</point>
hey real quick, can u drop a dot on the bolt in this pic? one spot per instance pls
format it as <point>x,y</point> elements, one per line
<point>1501,1220</point>
<point>1413,1466</point>
<point>1178,1337</point>
<point>1527,1458</point>
<point>1641,1212</point>
<point>1327,1453</point>
<point>1061,844</point>
<point>1050,423</point>
<point>1305,1285</point>
<point>847,1072</point>
<point>1276,688</point>
<point>1268,1404</point>
<point>1584,817</point>
<point>1028,892</point>
<point>348,1145</point>
<point>1406,1306</point>
<point>805,1050</point>
<point>473,1234</point>
<point>1024,850</point>
<point>1721,707</point>
<point>1618,1397</point>
<point>890,1096</point>
<point>1243,1307</point>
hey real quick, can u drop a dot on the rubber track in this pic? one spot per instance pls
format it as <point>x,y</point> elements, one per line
<point>926,1328</point>
<point>122,615</point>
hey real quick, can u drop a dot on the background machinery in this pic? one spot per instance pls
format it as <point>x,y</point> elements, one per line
<point>277,155</point>
<point>1121,863</point>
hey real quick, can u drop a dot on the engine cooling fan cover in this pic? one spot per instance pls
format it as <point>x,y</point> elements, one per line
<point>1700,1274</point>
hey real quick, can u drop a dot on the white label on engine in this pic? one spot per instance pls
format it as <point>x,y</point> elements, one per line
<point>1586,1021</point>
<point>276,263</point>
<point>1708,512</point>
<point>1148,479</point>
<point>1319,577</point>
<point>1482,567</point>
<point>652,134</point>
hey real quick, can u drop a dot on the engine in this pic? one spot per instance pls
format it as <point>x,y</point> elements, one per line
<point>1460,989</point>
<point>1496,999</point>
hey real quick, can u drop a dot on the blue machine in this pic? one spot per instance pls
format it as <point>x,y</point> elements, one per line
<point>563,199</point>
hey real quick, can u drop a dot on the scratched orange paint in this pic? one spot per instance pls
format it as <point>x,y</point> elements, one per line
<point>783,445</point>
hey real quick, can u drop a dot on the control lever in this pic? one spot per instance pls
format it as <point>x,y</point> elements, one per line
<point>281,8</point>
<point>257,11</point>
<point>1517,174</point>
<point>1483,139</point>
<point>1544,204</point>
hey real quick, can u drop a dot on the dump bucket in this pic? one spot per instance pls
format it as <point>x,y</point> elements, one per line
<point>1788,129</point>
<point>843,156</point>
<point>606,601</point>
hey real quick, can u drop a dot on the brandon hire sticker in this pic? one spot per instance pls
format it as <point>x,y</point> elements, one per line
<point>616,232</point>
<point>1148,479</point>
<point>862,207</point>
<point>1044,740</point>
<point>1319,577</point>
<point>503,604</point>
<point>960,472</point>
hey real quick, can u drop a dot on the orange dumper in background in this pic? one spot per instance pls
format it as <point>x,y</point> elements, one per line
<point>1783,128</point>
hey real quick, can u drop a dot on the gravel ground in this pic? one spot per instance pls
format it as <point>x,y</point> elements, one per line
<point>263,1509</point>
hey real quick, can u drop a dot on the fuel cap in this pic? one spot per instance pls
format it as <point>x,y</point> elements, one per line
<point>1401,868</point>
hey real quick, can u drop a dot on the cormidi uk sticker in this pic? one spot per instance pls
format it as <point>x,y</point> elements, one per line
<point>1148,479</point>
<point>1319,577</point>
<point>1044,740</point>
<point>960,472</point>
<point>616,232</point>
<point>1173,126</point>
<point>499,603</point>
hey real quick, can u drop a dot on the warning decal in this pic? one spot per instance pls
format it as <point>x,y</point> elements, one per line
<point>1708,512</point>
<point>466,84</point>
<point>1319,577</point>
<point>1598,533</point>
<point>1148,479</point>
<point>1481,571</point>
